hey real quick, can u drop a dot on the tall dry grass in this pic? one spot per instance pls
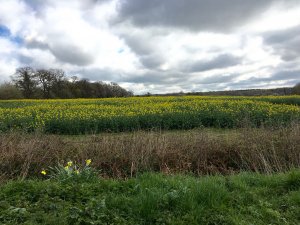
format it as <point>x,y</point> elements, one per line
<point>123,155</point>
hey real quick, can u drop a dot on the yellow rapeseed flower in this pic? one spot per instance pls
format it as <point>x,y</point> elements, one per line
<point>88,162</point>
<point>77,171</point>
<point>70,163</point>
<point>43,172</point>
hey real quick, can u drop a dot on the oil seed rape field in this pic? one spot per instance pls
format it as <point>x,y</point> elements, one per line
<point>81,116</point>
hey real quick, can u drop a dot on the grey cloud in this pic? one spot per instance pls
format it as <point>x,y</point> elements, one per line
<point>220,62</point>
<point>287,77</point>
<point>64,52</point>
<point>250,84</point>
<point>207,87</point>
<point>198,15</point>
<point>286,43</point>
<point>71,54</point>
<point>246,85</point>
<point>282,35</point>
<point>138,43</point>
<point>25,60</point>
<point>221,82</point>
<point>176,78</point>
<point>167,81</point>
<point>36,44</point>
<point>96,74</point>
<point>91,3</point>
<point>218,79</point>
<point>282,75</point>
<point>38,5</point>
<point>144,45</point>
<point>158,78</point>
<point>148,78</point>
<point>151,61</point>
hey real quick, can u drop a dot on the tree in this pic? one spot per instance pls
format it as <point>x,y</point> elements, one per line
<point>46,80</point>
<point>9,91</point>
<point>51,82</point>
<point>296,89</point>
<point>25,80</point>
<point>118,91</point>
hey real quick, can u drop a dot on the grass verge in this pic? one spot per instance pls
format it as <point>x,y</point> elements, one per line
<point>155,199</point>
<point>200,152</point>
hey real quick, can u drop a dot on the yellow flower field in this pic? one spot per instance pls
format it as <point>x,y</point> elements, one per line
<point>80,116</point>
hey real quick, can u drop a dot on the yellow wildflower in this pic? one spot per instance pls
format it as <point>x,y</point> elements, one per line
<point>43,172</point>
<point>77,171</point>
<point>70,163</point>
<point>66,167</point>
<point>88,162</point>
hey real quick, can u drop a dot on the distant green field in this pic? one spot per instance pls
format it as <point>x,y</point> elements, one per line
<point>80,116</point>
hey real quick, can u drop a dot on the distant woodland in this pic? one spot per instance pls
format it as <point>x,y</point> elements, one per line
<point>53,83</point>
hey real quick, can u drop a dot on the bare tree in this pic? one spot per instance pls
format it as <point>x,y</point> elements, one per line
<point>25,80</point>
<point>53,83</point>
<point>46,80</point>
<point>50,81</point>
<point>59,81</point>
<point>296,89</point>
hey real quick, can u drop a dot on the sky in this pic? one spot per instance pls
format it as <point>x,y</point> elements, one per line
<point>157,46</point>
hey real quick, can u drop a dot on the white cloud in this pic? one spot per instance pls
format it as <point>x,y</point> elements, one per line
<point>8,62</point>
<point>155,46</point>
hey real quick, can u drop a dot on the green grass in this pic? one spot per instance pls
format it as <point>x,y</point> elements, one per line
<point>155,199</point>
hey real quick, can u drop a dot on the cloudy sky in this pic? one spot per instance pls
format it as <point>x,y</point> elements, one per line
<point>156,45</point>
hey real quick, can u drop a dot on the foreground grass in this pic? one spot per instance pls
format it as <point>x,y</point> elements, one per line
<point>155,199</point>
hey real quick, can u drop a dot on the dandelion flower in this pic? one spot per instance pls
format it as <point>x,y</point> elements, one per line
<point>88,162</point>
<point>43,172</point>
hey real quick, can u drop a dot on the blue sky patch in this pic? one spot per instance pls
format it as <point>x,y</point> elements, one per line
<point>5,32</point>
<point>16,39</point>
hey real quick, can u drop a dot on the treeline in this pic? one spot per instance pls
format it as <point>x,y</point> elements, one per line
<point>53,83</point>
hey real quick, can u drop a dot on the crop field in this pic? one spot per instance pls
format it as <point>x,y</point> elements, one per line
<point>82,116</point>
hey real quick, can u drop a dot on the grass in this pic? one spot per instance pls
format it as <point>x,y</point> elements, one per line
<point>243,199</point>
<point>123,155</point>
